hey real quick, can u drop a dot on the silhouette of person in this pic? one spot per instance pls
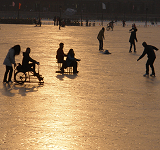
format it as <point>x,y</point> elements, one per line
<point>60,23</point>
<point>54,19</point>
<point>39,22</point>
<point>70,61</point>
<point>9,60</point>
<point>100,37</point>
<point>149,50</point>
<point>111,24</point>
<point>124,23</point>
<point>132,39</point>
<point>28,64</point>
<point>133,27</point>
<point>60,53</point>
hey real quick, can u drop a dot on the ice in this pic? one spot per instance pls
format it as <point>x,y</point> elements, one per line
<point>108,105</point>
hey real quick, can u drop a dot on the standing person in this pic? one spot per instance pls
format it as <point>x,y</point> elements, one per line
<point>9,60</point>
<point>54,19</point>
<point>39,22</point>
<point>60,23</point>
<point>124,23</point>
<point>60,53</point>
<point>70,61</point>
<point>132,39</point>
<point>100,37</point>
<point>149,50</point>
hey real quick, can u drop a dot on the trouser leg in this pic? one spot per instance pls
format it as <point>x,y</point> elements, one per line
<point>10,73</point>
<point>5,74</point>
<point>134,46</point>
<point>147,66</point>
<point>32,67</point>
<point>9,70</point>
<point>74,67</point>
<point>152,67</point>
<point>100,44</point>
<point>150,63</point>
<point>64,65</point>
<point>130,47</point>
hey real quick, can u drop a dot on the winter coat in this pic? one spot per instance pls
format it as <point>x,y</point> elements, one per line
<point>27,59</point>
<point>10,58</point>
<point>149,50</point>
<point>70,59</point>
<point>133,37</point>
<point>60,55</point>
<point>100,35</point>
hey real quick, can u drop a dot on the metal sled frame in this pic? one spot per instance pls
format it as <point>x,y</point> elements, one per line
<point>69,70</point>
<point>25,76</point>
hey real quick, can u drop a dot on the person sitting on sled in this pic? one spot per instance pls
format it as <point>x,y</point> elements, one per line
<point>28,64</point>
<point>70,61</point>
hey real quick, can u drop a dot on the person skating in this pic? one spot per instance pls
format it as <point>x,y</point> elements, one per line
<point>149,50</point>
<point>132,39</point>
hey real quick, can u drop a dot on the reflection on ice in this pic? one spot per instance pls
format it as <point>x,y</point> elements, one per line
<point>70,76</point>
<point>12,89</point>
<point>107,105</point>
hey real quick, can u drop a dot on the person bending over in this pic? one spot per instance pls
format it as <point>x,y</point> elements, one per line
<point>149,50</point>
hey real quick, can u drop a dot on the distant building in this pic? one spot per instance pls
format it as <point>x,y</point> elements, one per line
<point>87,6</point>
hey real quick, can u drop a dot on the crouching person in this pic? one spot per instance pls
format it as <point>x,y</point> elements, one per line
<point>71,61</point>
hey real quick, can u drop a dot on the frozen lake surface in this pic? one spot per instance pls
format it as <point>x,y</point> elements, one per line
<point>108,105</point>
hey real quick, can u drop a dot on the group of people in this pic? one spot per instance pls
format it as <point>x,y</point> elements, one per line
<point>148,49</point>
<point>70,61</point>
<point>132,38</point>
<point>28,64</point>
